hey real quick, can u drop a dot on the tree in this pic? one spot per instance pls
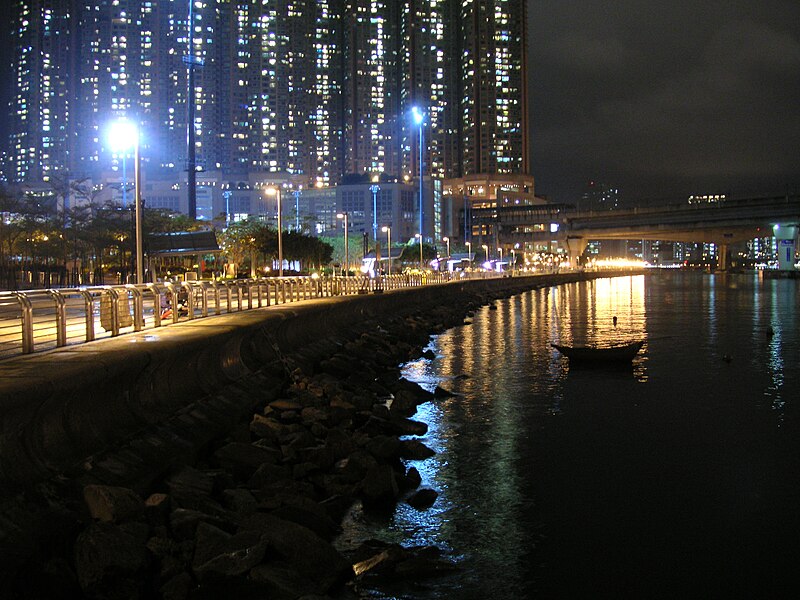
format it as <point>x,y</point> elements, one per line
<point>239,241</point>
<point>305,249</point>
<point>410,253</point>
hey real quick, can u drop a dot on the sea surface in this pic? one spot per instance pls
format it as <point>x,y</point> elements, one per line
<point>678,477</point>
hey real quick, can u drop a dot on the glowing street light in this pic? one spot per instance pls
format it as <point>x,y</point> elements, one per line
<point>499,263</point>
<point>227,195</point>
<point>297,193</point>
<point>486,250</point>
<point>469,251</point>
<point>447,241</point>
<point>388,231</point>
<point>375,188</point>
<point>276,191</point>
<point>419,120</point>
<point>343,215</point>
<point>419,237</point>
<point>124,134</point>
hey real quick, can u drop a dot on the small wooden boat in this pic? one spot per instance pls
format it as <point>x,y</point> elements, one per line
<point>619,353</point>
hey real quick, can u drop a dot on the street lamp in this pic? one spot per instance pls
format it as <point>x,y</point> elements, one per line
<point>513,260</point>
<point>419,120</point>
<point>344,215</point>
<point>375,188</point>
<point>499,263</point>
<point>388,231</point>
<point>419,237</point>
<point>447,241</point>
<point>469,251</point>
<point>227,195</point>
<point>122,136</point>
<point>486,250</point>
<point>297,193</point>
<point>276,191</point>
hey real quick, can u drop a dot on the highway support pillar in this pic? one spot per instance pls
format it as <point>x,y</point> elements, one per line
<point>785,240</point>
<point>722,258</point>
<point>575,247</point>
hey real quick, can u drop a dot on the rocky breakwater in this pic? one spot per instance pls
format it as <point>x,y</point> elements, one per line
<point>255,513</point>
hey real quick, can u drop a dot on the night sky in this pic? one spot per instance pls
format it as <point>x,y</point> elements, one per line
<point>664,99</point>
<point>660,99</point>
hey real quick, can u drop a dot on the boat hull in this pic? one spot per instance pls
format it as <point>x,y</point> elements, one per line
<point>611,354</point>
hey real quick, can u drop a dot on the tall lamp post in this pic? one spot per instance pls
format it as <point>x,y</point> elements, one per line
<point>419,237</point>
<point>227,195</point>
<point>375,188</point>
<point>388,231</point>
<point>343,215</point>
<point>419,120</point>
<point>513,260</point>
<point>469,251</point>
<point>486,250</point>
<point>500,262</point>
<point>276,191</point>
<point>297,193</point>
<point>446,240</point>
<point>122,136</point>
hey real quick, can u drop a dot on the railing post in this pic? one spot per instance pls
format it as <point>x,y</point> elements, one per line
<point>203,299</point>
<point>189,299</point>
<point>229,295</point>
<point>173,295</point>
<point>239,296</point>
<point>114,311</point>
<point>88,309</point>
<point>138,308</point>
<point>26,317</point>
<point>216,297</point>
<point>61,317</point>
<point>156,304</point>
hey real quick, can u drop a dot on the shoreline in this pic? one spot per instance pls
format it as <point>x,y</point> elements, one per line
<point>255,510</point>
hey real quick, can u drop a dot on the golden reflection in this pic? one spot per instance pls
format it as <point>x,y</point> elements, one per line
<point>775,362</point>
<point>492,366</point>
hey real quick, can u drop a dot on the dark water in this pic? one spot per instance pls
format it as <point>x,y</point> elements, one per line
<point>678,477</point>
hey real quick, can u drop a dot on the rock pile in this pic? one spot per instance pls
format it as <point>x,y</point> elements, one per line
<point>255,514</point>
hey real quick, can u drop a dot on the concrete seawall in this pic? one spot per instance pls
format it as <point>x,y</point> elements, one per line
<point>135,410</point>
<point>59,407</point>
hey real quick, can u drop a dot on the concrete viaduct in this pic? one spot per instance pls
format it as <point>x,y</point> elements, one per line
<point>721,223</point>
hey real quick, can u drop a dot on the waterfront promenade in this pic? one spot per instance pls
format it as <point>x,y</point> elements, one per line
<point>125,410</point>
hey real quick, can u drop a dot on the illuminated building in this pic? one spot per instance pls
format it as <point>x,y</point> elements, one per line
<point>301,92</point>
<point>39,140</point>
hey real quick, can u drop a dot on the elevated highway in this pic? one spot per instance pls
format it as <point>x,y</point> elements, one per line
<point>721,223</point>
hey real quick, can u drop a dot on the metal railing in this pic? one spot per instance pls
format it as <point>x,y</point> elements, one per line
<point>37,320</point>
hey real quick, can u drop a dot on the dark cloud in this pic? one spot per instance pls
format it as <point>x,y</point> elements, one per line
<point>665,99</point>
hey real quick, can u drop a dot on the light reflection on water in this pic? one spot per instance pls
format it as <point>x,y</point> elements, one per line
<point>553,478</point>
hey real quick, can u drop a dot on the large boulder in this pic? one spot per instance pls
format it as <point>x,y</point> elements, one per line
<point>379,486</point>
<point>423,499</point>
<point>108,560</point>
<point>244,459</point>
<point>283,582</point>
<point>219,554</point>
<point>415,450</point>
<point>112,504</point>
<point>309,554</point>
